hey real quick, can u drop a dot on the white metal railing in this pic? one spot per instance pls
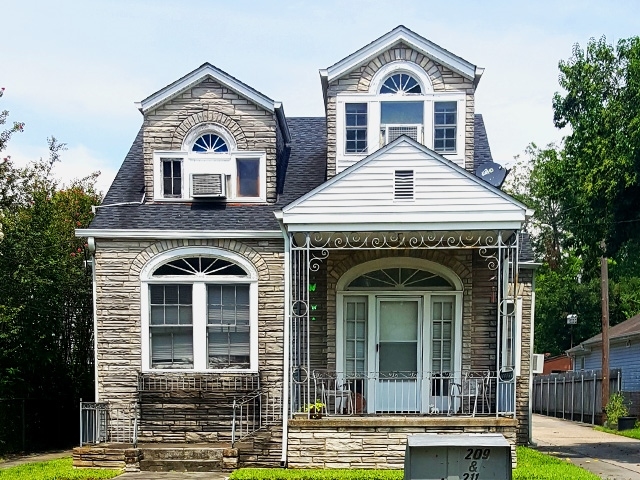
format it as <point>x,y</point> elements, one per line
<point>104,422</point>
<point>467,393</point>
<point>254,412</point>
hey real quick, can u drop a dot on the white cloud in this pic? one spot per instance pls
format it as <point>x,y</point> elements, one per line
<point>76,162</point>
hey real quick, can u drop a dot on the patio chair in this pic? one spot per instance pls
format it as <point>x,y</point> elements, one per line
<point>336,395</point>
<point>471,387</point>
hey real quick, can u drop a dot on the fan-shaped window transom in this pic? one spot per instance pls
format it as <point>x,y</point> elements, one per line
<point>400,278</point>
<point>210,143</point>
<point>401,83</point>
<point>200,266</point>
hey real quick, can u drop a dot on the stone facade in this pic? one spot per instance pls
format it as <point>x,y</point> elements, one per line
<point>118,264</point>
<point>359,80</point>
<point>374,442</point>
<point>252,127</point>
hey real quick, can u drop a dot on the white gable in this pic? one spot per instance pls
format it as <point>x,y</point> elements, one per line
<point>445,197</point>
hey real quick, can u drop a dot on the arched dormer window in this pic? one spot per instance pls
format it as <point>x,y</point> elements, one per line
<point>209,138</point>
<point>401,84</point>
<point>199,311</point>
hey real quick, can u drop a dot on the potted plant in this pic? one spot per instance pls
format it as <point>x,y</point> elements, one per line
<point>618,413</point>
<point>315,409</point>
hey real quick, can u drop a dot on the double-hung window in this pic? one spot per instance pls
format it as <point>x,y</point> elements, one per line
<point>171,178</point>
<point>356,127</point>
<point>201,313</point>
<point>445,126</point>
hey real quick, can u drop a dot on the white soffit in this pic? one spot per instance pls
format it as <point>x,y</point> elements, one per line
<point>446,195</point>
<point>402,34</point>
<point>198,75</point>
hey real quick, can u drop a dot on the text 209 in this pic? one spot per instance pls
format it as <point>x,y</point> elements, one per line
<point>477,454</point>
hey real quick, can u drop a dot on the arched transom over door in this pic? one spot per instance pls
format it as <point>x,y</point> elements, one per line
<point>399,334</point>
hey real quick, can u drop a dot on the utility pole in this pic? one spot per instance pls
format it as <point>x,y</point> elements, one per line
<point>604,283</point>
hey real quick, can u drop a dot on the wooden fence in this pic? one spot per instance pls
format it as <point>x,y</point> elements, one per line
<point>573,395</point>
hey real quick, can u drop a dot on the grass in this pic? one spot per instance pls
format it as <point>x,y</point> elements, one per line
<point>532,465</point>
<point>60,469</point>
<point>633,433</point>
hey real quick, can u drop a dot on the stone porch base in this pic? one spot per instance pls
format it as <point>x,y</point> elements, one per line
<point>376,442</point>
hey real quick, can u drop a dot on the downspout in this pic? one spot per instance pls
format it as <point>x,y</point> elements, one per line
<point>91,245</point>
<point>531,350</point>
<point>286,367</point>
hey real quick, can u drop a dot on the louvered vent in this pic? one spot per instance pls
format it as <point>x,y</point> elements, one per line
<point>394,131</point>
<point>403,186</point>
<point>207,185</point>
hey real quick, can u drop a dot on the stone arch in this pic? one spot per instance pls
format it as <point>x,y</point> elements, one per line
<point>230,245</point>
<point>406,53</point>
<point>208,116</point>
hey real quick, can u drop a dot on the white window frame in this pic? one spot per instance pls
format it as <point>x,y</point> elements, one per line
<point>216,163</point>
<point>199,305</point>
<point>182,182</point>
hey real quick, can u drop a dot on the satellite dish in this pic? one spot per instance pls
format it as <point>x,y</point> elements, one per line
<point>492,173</point>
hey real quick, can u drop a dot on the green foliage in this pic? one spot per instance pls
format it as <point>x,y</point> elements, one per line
<point>314,474</point>
<point>597,176</point>
<point>55,469</point>
<point>616,408</point>
<point>534,465</point>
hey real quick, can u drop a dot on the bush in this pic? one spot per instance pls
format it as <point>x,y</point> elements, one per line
<point>615,409</point>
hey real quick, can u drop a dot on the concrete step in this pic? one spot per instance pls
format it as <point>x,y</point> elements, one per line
<point>187,458</point>
<point>165,465</point>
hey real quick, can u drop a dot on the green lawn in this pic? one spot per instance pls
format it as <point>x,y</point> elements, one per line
<point>61,469</point>
<point>633,433</point>
<point>532,465</point>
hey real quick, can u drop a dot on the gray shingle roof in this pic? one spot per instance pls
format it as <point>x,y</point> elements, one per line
<point>481,149</point>
<point>306,169</point>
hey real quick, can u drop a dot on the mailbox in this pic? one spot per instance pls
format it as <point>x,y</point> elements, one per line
<point>471,456</point>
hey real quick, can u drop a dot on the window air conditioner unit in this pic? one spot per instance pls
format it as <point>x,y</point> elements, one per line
<point>390,132</point>
<point>208,185</point>
<point>537,363</point>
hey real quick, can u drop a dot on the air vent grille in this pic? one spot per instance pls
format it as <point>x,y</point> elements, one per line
<point>403,186</point>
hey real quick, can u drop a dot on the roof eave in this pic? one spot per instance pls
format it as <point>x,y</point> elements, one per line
<point>196,76</point>
<point>403,34</point>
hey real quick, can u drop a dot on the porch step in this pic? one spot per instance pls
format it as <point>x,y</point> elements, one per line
<point>187,458</point>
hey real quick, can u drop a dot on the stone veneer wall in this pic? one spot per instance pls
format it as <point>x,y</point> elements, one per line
<point>522,382</point>
<point>375,442</point>
<point>118,265</point>
<point>358,80</point>
<point>209,102</point>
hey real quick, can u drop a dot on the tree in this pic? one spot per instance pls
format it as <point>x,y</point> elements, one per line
<point>598,174</point>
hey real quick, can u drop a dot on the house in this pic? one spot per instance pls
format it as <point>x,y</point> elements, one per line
<point>248,264</point>
<point>624,351</point>
<point>556,364</point>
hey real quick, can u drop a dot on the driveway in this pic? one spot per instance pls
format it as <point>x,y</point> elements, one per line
<point>607,455</point>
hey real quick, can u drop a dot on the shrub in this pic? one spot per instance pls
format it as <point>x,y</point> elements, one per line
<point>616,408</point>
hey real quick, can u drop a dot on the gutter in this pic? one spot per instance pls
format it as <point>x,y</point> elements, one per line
<point>285,364</point>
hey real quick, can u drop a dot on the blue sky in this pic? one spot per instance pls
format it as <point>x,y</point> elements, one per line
<point>74,69</point>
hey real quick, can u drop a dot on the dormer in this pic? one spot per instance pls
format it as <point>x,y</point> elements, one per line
<point>210,137</point>
<point>400,84</point>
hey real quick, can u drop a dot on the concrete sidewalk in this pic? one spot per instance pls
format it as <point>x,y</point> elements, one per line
<point>607,455</point>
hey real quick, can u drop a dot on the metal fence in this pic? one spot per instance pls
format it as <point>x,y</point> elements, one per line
<point>573,395</point>
<point>254,412</point>
<point>104,422</point>
<point>466,393</point>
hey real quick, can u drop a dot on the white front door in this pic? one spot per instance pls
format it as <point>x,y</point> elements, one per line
<point>399,354</point>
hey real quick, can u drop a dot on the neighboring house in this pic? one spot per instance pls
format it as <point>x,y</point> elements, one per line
<point>557,364</point>
<point>624,354</point>
<point>247,264</point>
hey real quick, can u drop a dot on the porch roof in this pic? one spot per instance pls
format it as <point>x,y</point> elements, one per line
<point>445,197</point>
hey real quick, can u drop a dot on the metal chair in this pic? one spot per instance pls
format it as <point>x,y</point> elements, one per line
<point>471,386</point>
<point>336,395</point>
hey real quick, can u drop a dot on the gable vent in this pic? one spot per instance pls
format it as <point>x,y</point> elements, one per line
<point>208,185</point>
<point>403,186</point>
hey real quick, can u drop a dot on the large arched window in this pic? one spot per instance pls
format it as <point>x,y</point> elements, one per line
<point>199,311</point>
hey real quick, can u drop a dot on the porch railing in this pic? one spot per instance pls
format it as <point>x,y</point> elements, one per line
<point>254,412</point>
<point>108,423</point>
<point>467,393</point>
